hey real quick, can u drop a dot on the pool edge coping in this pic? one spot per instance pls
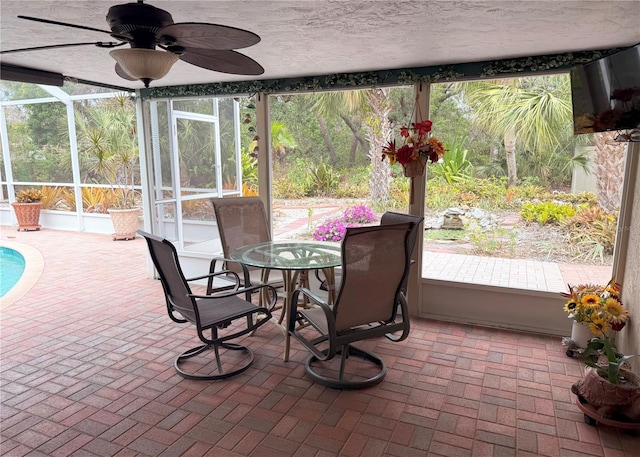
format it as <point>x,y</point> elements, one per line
<point>34,266</point>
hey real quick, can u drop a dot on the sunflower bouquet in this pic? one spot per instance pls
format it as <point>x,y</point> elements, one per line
<point>600,309</point>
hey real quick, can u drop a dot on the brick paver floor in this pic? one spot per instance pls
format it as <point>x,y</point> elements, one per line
<point>87,370</point>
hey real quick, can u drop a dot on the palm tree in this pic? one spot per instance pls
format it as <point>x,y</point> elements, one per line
<point>107,143</point>
<point>531,112</point>
<point>609,169</point>
<point>373,107</point>
<point>281,139</point>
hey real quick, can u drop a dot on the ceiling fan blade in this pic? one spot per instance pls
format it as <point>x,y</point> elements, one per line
<point>223,61</point>
<point>207,36</point>
<point>123,74</point>
<point>49,21</point>
<point>100,44</point>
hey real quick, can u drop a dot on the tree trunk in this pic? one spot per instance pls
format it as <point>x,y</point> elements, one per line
<point>327,139</point>
<point>378,135</point>
<point>352,151</point>
<point>609,162</point>
<point>510,149</point>
<point>357,138</point>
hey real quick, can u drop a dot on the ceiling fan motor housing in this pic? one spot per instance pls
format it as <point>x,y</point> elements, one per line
<point>137,23</point>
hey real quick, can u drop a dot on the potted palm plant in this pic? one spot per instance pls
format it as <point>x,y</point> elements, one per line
<point>609,392</point>
<point>27,209</point>
<point>107,139</point>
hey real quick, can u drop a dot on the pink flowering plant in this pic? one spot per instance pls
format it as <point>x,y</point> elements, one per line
<point>334,229</point>
<point>330,230</point>
<point>359,214</point>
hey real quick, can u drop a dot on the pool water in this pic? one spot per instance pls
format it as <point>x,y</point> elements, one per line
<point>11,268</point>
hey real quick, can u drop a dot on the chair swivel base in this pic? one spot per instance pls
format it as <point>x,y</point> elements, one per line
<point>340,383</point>
<point>222,374</point>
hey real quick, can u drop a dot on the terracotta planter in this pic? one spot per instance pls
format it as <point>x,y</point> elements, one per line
<point>125,223</point>
<point>415,168</point>
<point>28,215</point>
<point>615,401</point>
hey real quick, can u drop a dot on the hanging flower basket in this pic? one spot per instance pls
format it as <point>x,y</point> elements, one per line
<point>415,168</point>
<point>418,149</point>
<point>28,215</point>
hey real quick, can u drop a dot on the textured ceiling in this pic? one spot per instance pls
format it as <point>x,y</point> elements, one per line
<point>317,37</point>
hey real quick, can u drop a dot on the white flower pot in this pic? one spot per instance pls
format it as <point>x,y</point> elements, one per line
<point>580,334</point>
<point>125,223</point>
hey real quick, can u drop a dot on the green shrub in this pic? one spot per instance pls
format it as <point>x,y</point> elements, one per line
<point>588,198</point>
<point>439,194</point>
<point>546,212</point>
<point>285,188</point>
<point>323,180</point>
<point>489,193</point>
<point>592,233</point>
<point>290,178</point>
<point>455,165</point>
<point>353,183</point>
<point>529,192</point>
<point>399,191</point>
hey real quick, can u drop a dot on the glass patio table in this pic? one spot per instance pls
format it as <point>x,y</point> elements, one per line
<point>294,258</point>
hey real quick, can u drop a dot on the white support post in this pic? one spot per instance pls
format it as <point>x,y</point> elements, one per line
<point>263,124</point>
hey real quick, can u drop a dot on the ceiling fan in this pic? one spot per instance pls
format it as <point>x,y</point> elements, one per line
<point>145,28</point>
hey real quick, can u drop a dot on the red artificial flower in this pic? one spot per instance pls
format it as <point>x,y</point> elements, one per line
<point>390,148</point>
<point>405,154</point>
<point>432,156</point>
<point>404,131</point>
<point>423,127</point>
<point>617,326</point>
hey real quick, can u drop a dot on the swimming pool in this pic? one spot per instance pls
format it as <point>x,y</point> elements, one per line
<point>11,268</point>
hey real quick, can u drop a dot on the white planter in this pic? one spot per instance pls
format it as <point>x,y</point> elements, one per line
<point>125,223</point>
<point>580,334</point>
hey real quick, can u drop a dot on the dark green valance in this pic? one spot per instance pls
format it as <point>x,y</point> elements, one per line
<point>457,72</point>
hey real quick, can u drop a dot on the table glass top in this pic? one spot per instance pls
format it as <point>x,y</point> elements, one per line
<point>289,255</point>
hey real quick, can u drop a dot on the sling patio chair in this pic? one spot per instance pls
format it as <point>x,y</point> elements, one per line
<point>375,263</point>
<point>215,312</point>
<point>242,221</point>
<point>389,217</point>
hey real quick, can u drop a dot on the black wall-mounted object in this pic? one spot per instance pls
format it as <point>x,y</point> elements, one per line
<point>606,93</point>
<point>30,75</point>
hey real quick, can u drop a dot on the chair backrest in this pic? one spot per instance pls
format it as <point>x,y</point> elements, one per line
<point>241,221</point>
<point>375,262</point>
<point>176,289</point>
<point>397,218</point>
<point>391,217</point>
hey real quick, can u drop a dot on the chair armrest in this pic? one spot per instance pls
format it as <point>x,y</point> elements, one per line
<point>217,273</point>
<point>231,279</point>
<point>212,267</point>
<point>309,294</point>
<point>331,324</point>
<point>245,290</point>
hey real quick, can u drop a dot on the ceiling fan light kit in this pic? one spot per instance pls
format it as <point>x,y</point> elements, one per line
<point>144,64</point>
<point>145,27</point>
